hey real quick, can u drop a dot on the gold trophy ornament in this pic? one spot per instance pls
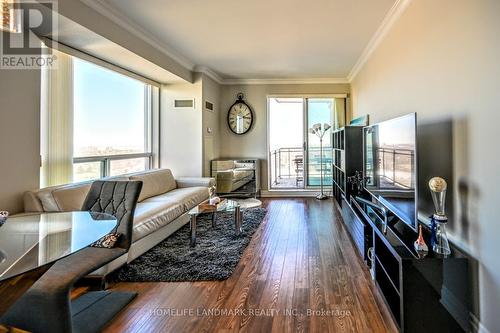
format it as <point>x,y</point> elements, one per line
<point>439,239</point>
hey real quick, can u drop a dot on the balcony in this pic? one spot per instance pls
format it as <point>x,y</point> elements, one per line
<point>289,172</point>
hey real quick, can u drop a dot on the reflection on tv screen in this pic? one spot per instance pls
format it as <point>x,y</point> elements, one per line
<point>390,167</point>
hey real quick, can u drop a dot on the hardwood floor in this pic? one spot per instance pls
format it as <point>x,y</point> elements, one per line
<point>301,259</point>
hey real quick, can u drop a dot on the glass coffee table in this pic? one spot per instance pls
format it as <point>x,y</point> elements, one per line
<point>230,206</point>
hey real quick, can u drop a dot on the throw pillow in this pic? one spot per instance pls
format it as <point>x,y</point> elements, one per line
<point>108,241</point>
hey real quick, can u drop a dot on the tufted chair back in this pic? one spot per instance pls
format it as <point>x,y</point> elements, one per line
<point>117,198</point>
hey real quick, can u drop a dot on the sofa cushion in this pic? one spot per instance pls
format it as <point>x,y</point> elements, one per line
<point>188,196</point>
<point>47,200</point>
<point>194,181</point>
<point>32,202</point>
<point>224,165</point>
<point>60,198</point>
<point>153,215</point>
<point>241,174</point>
<point>71,198</point>
<point>246,165</point>
<point>155,182</point>
<point>158,211</point>
<point>63,198</point>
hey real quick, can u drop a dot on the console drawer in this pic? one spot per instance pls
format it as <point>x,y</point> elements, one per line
<point>355,227</point>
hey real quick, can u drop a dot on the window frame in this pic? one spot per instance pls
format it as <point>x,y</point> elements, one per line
<point>106,160</point>
<point>151,114</point>
<point>149,138</point>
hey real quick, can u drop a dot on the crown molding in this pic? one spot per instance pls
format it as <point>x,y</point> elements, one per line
<point>210,73</point>
<point>123,21</point>
<point>220,80</point>
<point>285,81</point>
<point>120,19</point>
<point>392,16</point>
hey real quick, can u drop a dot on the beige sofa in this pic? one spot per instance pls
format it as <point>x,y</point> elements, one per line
<point>231,175</point>
<point>161,210</point>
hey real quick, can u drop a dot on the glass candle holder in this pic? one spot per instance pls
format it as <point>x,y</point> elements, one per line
<point>441,245</point>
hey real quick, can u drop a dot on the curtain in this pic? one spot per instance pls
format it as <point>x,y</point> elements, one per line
<point>57,122</point>
<point>339,119</point>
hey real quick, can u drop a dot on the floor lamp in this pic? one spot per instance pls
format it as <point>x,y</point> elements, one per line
<point>320,131</point>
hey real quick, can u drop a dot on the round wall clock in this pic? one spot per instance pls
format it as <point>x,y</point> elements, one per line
<point>240,116</point>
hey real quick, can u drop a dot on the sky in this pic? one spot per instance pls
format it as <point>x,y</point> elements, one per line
<point>286,121</point>
<point>398,132</point>
<point>108,108</point>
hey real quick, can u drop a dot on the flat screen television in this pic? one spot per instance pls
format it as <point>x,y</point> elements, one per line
<point>390,168</point>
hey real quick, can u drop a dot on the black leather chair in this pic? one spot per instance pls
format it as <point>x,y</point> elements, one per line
<point>46,307</point>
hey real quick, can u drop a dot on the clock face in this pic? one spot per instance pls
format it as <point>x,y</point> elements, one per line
<point>240,118</point>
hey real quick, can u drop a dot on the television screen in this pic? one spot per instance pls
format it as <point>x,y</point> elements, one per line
<point>390,165</point>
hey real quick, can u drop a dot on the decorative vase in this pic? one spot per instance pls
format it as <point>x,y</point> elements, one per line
<point>4,215</point>
<point>420,245</point>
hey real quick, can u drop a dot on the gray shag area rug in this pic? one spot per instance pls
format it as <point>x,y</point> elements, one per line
<point>215,256</point>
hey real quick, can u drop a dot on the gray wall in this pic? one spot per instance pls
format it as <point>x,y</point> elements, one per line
<point>19,136</point>
<point>254,143</point>
<point>211,93</point>
<point>441,60</point>
<point>80,13</point>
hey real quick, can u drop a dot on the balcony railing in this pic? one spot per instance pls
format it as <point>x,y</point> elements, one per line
<point>287,167</point>
<point>396,167</point>
<point>94,167</point>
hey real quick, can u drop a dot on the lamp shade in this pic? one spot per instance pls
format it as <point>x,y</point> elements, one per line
<point>326,127</point>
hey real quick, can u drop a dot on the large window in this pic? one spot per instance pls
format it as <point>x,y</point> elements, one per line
<point>104,118</point>
<point>111,122</point>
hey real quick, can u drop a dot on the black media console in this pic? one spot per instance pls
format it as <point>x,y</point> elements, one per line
<point>431,294</point>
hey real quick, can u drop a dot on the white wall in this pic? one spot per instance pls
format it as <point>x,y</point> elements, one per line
<point>441,60</point>
<point>253,144</point>
<point>181,142</point>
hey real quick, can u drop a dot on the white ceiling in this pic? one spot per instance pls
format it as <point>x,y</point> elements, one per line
<point>273,39</point>
<point>82,39</point>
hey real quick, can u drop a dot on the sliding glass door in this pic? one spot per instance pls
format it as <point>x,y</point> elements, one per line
<point>296,157</point>
<point>286,142</point>
<point>319,157</point>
